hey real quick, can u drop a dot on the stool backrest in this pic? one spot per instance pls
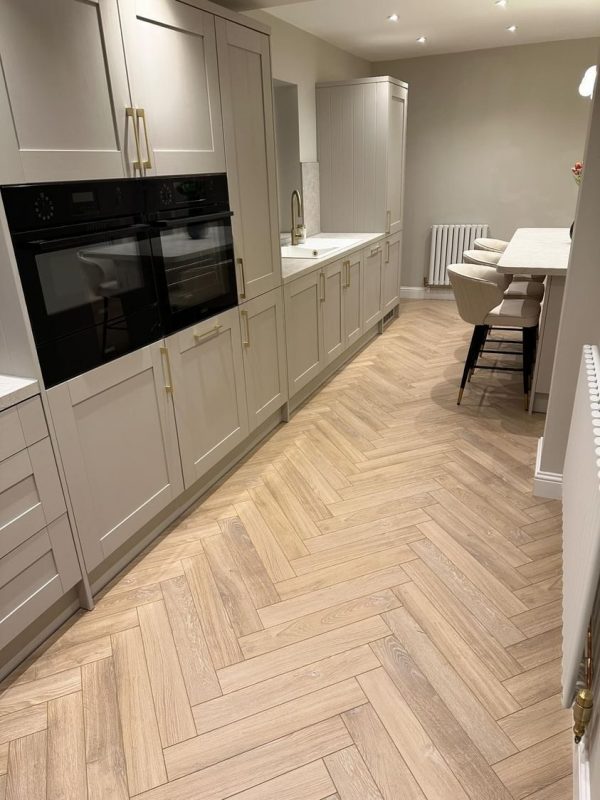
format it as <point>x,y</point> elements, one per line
<point>477,290</point>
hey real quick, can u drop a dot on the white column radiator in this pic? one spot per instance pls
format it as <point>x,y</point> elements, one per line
<point>581,518</point>
<point>448,242</point>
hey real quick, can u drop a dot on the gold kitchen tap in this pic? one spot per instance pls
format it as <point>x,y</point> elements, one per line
<point>298,230</point>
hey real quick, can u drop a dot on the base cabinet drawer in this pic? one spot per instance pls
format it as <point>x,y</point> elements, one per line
<point>34,575</point>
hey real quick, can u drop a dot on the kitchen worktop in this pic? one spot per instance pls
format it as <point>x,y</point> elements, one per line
<point>537,251</point>
<point>14,390</point>
<point>292,268</point>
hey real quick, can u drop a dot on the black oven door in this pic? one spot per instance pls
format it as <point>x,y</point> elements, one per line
<point>91,296</point>
<point>195,268</point>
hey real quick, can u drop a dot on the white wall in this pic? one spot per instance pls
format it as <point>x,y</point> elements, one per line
<point>492,135</point>
<point>301,58</point>
<point>287,143</point>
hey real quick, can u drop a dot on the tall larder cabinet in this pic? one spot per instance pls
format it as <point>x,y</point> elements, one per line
<point>361,131</point>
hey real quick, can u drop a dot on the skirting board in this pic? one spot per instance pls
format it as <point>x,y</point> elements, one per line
<point>546,484</point>
<point>426,293</point>
<point>582,789</point>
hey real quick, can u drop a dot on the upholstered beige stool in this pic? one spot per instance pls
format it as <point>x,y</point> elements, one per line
<point>481,302</point>
<point>520,287</point>
<point>494,245</point>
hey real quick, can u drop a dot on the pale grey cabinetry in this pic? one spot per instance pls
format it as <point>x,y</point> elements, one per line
<point>304,329</point>
<point>247,102</point>
<point>115,428</point>
<point>391,272</point>
<point>372,285</point>
<point>333,307</point>
<point>38,561</point>
<point>64,91</point>
<point>208,392</point>
<point>263,349</point>
<point>353,298</point>
<point>171,57</point>
<point>361,131</point>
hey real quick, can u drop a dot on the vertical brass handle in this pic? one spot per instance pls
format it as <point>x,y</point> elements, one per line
<point>140,114</point>
<point>214,331</point>
<point>347,278</point>
<point>387,253</point>
<point>349,275</point>
<point>240,262</point>
<point>164,351</point>
<point>246,341</point>
<point>130,113</point>
<point>388,222</point>
<point>322,282</point>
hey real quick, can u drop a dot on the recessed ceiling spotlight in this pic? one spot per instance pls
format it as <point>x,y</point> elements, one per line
<point>501,3</point>
<point>511,28</point>
<point>421,40</point>
<point>393,18</point>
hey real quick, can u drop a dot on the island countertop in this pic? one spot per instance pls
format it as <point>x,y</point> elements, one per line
<point>537,251</point>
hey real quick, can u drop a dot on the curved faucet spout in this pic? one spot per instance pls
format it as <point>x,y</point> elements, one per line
<point>298,231</point>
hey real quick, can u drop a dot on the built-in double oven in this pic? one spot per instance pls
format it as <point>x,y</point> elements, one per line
<point>110,266</point>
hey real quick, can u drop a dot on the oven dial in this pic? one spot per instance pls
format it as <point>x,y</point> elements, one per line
<point>44,207</point>
<point>166,194</point>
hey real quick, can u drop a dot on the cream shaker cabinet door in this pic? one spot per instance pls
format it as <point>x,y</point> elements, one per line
<point>303,329</point>
<point>118,444</point>
<point>372,286</point>
<point>263,348</point>
<point>390,282</point>
<point>171,59</point>
<point>246,95</point>
<point>208,392</point>
<point>66,82</point>
<point>353,298</point>
<point>334,340</point>
<point>396,151</point>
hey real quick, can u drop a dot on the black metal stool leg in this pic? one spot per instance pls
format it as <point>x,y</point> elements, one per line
<point>477,341</point>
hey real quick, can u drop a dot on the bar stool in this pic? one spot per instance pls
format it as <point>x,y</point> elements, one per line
<point>481,302</point>
<point>493,245</point>
<point>521,287</point>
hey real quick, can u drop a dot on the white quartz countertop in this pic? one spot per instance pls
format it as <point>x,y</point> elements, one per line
<point>537,251</point>
<point>293,268</point>
<point>14,390</point>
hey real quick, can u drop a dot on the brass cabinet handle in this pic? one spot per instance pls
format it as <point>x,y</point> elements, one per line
<point>246,341</point>
<point>214,331</point>
<point>140,113</point>
<point>388,222</point>
<point>164,351</point>
<point>348,278</point>
<point>375,250</point>
<point>322,282</point>
<point>240,262</point>
<point>130,113</point>
<point>387,253</point>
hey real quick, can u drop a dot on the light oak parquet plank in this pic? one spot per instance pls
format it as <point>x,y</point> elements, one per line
<point>171,704</point>
<point>24,695</point>
<point>261,728</point>
<point>220,636</point>
<point>316,480</point>
<point>199,674</point>
<point>413,497</point>
<point>2,787</point>
<point>22,723</point>
<point>310,499</point>
<point>351,777</point>
<point>543,568</point>
<point>537,767</point>
<point>291,543</point>
<point>259,584</point>
<point>139,578</point>
<point>282,688</point>
<point>145,765</point>
<point>311,782</point>
<point>267,546</point>
<point>256,766</point>
<point>548,546</point>
<point>4,756</point>
<point>294,511</point>
<point>386,765</point>
<point>67,779</point>
<point>538,650</point>
<point>542,593</point>
<point>422,757</point>
<point>111,603</point>
<point>90,626</point>
<point>26,778</point>
<point>539,620</point>
<point>561,790</point>
<point>400,524</point>
<point>285,659</point>
<point>105,758</point>
<point>54,661</point>
<point>537,722</point>
<point>313,453</point>
<point>536,684</point>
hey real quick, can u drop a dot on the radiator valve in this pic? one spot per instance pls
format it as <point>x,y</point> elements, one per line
<point>582,712</point>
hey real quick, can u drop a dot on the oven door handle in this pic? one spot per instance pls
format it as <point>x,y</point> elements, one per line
<point>46,245</point>
<point>181,222</point>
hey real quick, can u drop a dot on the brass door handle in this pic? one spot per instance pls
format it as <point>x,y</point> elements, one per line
<point>240,262</point>
<point>387,253</point>
<point>140,114</point>
<point>246,341</point>
<point>130,114</point>
<point>388,222</point>
<point>214,331</point>
<point>164,351</point>
<point>348,275</point>
<point>375,250</point>
<point>322,282</point>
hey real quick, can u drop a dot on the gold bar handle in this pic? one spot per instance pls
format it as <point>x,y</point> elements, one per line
<point>140,114</point>
<point>240,262</point>
<point>164,351</point>
<point>388,222</point>
<point>347,267</point>
<point>375,250</point>
<point>246,341</point>
<point>322,282</point>
<point>130,114</point>
<point>387,252</point>
<point>214,331</point>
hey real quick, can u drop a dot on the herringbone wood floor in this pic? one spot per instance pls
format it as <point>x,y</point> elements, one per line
<point>367,609</point>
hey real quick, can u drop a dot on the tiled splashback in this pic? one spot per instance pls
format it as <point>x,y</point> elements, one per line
<point>311,197</point>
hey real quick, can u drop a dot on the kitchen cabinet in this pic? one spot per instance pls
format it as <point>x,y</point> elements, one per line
<point>38,561</point>
<point>247,101</point>
<point>263,349</point>
<point>361,133</point>
<point>390,281</point>
<point>304,329</point>
<point>171,56</point>
<point>333,307</point>
<point>65,82</point>
<point>208,392</point>
<point>372,286</point>
<point>116,432</point>
<point>353,298</point>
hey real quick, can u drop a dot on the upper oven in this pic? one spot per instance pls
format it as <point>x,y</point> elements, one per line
<point>192,247</point>
<point>84,258</point>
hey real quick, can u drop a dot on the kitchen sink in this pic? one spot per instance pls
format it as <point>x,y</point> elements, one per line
<point>317,248</point>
